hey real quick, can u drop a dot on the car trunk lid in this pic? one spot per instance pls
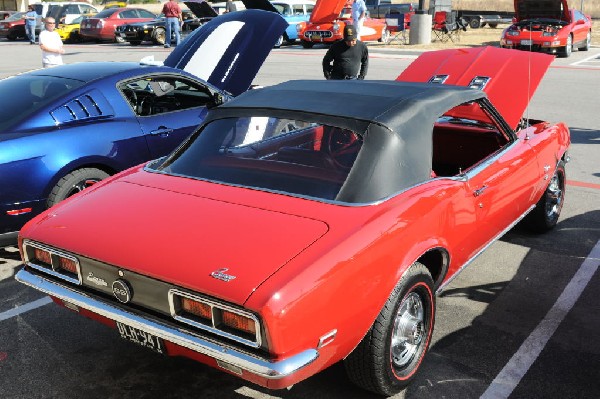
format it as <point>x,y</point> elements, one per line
<point>513,75</point>
<point>174,234</point>
<point>229,50</point>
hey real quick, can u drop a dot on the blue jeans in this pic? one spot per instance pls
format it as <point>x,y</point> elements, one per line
<point>30,31</point>
<point>172,24</point>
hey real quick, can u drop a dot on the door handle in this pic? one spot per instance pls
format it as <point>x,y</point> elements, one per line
<point>480,191</point>
<point>162,131</point>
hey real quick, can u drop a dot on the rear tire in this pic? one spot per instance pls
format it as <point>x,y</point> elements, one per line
<point>74,182</point>
<point>588,42</point>
<point>388,357</point>
<point>547,210</point>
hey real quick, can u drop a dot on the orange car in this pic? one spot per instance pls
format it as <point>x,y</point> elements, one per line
<point>327,21</point>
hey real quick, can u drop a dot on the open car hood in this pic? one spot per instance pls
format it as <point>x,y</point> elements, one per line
<point>259,5</point>
<point>327,11</point>
<point>171,232</point>
<point>513,75</point>
<point>532,9</point>
<point>229,50</point>
<point>201,8</point>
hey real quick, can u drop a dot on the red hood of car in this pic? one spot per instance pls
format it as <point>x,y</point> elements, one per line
<point>327,11</point>
<point>515,75</point>
<point>553,9</point>
<point>177,235</point>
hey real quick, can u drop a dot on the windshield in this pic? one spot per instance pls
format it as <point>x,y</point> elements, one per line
<point>284,155</point>
<point>106,13</point>
<point>35,92</point>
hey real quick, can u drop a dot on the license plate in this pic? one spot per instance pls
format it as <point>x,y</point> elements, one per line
<point>526,42</point>
<point>315,37</point>
<point>141,338</point>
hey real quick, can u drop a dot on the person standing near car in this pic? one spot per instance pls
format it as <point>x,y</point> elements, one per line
<point>30,18</point>
<point>51,45</point>
<point>359,12</point>
<point>174,19</point>
<point>350,57</point>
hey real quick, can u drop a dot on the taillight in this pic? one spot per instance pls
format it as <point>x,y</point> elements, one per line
<point>196,308</point>
<point>239,322</point>
<point>52,261</point>
<point>213,316</point>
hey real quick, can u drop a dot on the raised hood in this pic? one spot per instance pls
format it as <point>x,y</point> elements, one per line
<point>515,75</point>
<point>327,11</point>
<point>201,8</point>
<point>178,236</point>
<point>229,50</point>
<point>533,9</point>
<point>259,5</point>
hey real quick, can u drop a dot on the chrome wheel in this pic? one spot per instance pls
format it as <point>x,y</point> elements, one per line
<point>554,198</point>
<point>385,35</point>
<point>409,330</point>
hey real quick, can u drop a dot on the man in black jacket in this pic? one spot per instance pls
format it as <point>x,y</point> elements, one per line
<point>350,57</point>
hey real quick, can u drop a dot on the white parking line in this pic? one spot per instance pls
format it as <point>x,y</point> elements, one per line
<point>517,367</point>
<point>592,59</point>
<point>25,308</point>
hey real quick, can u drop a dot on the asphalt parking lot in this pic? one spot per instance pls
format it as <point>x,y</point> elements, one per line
<point>521,321</point>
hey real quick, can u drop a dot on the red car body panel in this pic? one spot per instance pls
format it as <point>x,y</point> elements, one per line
<point>524,72</point>
<point>327,21</point>
<point>90,27</point>
<point>316,273</point>
<point>547,27</point>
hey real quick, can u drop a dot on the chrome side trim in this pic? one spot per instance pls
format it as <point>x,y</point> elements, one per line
<point>257,365</point>
<point>468,262</point>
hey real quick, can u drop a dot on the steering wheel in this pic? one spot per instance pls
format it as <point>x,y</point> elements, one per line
<point>131,96</point>
<point>145,107</point>
<point>343,146</point>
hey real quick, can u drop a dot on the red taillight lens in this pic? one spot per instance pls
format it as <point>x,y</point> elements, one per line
<point>43,256</point>
<point>196,308</point>
<point>239,322</point>
<point>68,265</point>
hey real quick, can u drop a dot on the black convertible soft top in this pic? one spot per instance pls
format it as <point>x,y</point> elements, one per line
<point>395,118</point>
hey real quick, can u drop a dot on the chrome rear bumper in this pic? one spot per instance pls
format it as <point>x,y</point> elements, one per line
<point>259,366</point>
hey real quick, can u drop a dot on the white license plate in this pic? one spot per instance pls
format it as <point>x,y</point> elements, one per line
<point>141,338</point>
<point>526,42</point>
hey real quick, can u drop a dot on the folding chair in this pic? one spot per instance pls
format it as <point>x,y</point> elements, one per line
<point>396,26</point>
<point>446,26</point>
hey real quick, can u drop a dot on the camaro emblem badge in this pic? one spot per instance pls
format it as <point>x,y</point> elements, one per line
<point>221,275</point>
<point>121,290</point>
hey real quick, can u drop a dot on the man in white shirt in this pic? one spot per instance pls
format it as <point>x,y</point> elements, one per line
<point>359,11</point>
<point>51,45</point>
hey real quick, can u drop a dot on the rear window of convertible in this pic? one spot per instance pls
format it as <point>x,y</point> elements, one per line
<point>290,156</point>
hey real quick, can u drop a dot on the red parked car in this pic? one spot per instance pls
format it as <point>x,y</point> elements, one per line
<point>327,21</point>
<point>549,27</point>
<point>288,233</point>
<point>101,27</point>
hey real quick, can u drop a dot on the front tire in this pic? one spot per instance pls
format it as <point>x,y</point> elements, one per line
<point>475,23</point>
<point>159,36</point>
<point>75,182</point>
<point>568,48</point>
<point>547,210</point>
<point>388,357</point>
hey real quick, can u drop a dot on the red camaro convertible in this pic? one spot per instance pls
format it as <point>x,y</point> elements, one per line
<point>327,21</point>
<point>289,233</point>
<point>549,27</point>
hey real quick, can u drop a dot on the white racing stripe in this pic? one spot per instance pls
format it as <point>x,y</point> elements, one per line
<point>24,308</point>
<point>207,56</point>
<point>519,364</point>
